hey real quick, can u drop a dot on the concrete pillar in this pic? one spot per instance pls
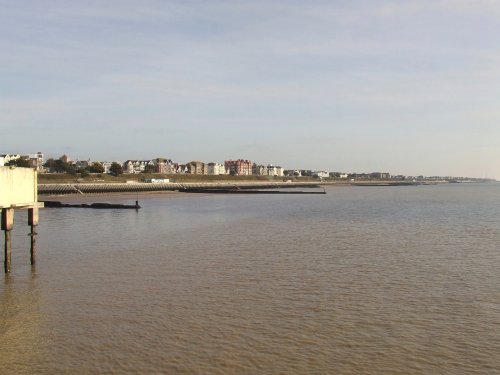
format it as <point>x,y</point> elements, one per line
<point>33,222</point>
<point>7,225</point>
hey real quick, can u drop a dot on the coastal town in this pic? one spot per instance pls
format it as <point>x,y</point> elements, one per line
<point>166,166</point>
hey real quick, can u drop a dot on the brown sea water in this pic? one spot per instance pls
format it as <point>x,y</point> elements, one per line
<point>363,280</point>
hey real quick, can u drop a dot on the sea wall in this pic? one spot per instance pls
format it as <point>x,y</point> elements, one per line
<point>54,189</point>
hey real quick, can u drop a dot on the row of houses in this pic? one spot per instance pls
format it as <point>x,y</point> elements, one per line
<point>238,167</point>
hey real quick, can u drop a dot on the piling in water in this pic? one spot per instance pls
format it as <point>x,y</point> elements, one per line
<point>7,225</point>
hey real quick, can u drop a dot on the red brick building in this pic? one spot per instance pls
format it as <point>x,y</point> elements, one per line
<point>239,167</point>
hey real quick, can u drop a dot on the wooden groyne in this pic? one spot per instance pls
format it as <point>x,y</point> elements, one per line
<point>57,204</point>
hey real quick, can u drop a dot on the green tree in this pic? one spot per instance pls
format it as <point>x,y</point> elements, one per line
<point>96,167</point>
<point>58,166</point>
<point>50,164</point>
<point>21,162</point>
<point>70,169</point>
<point>115,169</point>
<point>61,166</point>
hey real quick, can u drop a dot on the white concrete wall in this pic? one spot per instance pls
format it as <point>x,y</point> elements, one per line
<point>18,187</point>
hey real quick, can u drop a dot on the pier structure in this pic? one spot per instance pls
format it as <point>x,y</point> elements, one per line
<point>18,190</point>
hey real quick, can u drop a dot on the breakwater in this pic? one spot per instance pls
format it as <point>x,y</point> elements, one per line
<point>250,191</point>
<point>57,189</point>
<point>57,204</point>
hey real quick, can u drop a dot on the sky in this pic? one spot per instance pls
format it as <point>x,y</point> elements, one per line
<point>405,87</point>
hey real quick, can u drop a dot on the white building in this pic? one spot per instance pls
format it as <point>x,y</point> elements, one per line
<point>135,166</point>
<point>321,174</point>
<point>36,161</point>
<point>272,170</point>
<point>5,158</point>
<point>106,165</point>
<point>216,169</point>
<point>267,170</point>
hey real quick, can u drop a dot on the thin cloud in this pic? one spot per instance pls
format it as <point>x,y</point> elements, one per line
<point>225,71</point>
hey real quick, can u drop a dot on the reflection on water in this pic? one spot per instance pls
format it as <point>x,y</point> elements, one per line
<point>361,281</point>
<point>21,344</point>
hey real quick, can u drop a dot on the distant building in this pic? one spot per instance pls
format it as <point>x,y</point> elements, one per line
<point>320,174</point>
<point>306,172</point>
<point>292,172</point>
<point>338,175</point>
<point>5,158</point>
<point>239,167</point>
<point>216,169</point>
<point>180,168</point>
<point>65,158</point>
<point>359,176</point>
<point>259,170</point>
<point>81,164</point>
<point>35,160</point>
<point>276,171</point>
<point>106,165</point>
<point>197,167</point>
<point>135,166</point>
<point>163,165</point>
<point>267,170</point>
<point>380,175</point>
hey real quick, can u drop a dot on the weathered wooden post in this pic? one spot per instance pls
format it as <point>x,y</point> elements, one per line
<point>33,222</point>
<point>7,225</point>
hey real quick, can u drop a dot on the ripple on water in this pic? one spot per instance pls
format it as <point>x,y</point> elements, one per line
<point>360,281</point>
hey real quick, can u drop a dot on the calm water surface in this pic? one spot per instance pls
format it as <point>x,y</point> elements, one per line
<point>364,280</point>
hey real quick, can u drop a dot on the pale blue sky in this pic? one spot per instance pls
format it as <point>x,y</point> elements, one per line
<point>410,87</point>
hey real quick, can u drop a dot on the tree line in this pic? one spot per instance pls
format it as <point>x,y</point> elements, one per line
<point>60,166</point>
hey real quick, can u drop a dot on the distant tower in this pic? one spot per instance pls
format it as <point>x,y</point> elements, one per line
<point>39,159</point>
